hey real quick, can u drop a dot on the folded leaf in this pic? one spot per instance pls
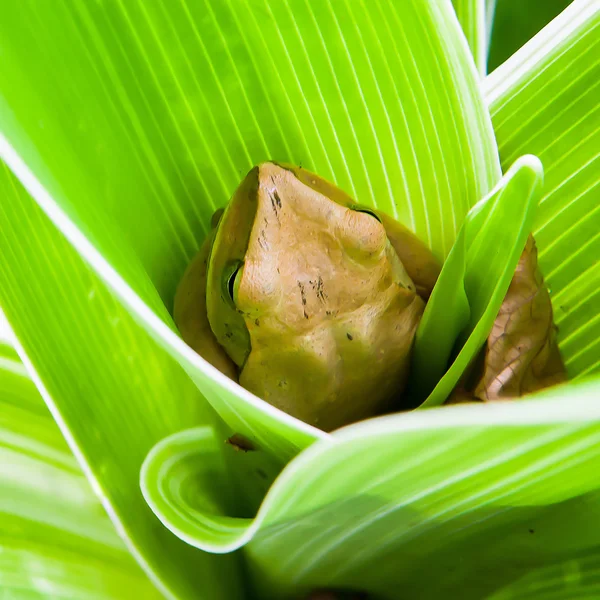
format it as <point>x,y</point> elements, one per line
<point>544,100</point>
<point>421,501</point>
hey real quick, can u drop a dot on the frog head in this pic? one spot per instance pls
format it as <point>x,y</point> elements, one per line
<point>309,298</point>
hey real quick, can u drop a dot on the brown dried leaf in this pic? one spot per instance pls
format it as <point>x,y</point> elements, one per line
<point>521,354</point>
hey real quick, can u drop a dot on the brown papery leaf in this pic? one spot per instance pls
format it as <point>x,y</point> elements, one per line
<point>521,354</point>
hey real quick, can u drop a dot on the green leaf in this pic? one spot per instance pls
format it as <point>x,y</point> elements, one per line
<point>55,538</point>
<point>378,104</point>
<point>422,501</point>
<point>473,282</point>
<point>113,392</point>
<point>544,101</point>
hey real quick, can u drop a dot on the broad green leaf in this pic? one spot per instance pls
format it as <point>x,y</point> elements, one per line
<point>544,101</point>
<point>452,502</point>
<point>473,17</point>
<point>170,104</point>
<point>112,391</point>
<point>55,538</point>
<point>473,282</point>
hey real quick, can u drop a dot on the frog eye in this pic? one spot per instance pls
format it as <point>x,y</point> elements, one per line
<point>231,280</point>
<point>368,211</point>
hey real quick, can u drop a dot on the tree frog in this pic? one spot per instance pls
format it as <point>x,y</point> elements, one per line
<point>307,299</point>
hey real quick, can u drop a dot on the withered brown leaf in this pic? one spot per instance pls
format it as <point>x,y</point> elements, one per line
<point>521,353</point>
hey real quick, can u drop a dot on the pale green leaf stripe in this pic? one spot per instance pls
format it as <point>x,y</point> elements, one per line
<point>112,391</point>
<point>473,17</point>
<point>544,100</point>
<point>55,538</point>
<point>408,86</point>
<point>415,489</point>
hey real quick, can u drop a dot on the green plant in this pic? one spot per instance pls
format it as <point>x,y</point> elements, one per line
<point>124,124</point>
